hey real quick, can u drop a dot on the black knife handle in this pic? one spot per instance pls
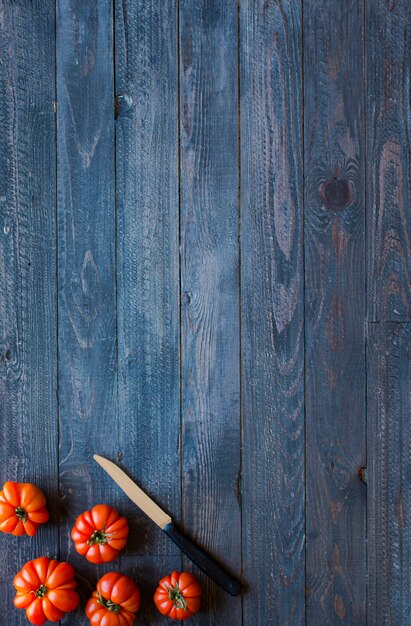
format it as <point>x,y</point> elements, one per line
<point>203,561</point>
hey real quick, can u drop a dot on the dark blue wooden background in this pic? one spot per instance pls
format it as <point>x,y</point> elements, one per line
<point>205,249</point>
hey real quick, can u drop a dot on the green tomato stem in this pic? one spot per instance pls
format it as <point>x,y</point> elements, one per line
<point>109,605</point>
<point>21,514</point>
<point>177,597</point>
<point>99,536</point>
<point>41,591</point>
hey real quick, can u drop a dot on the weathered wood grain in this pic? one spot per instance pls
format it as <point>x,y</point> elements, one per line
<point>272,312</point>
<point>334,311</point>
<point>210,291</point>
<point>389,474</point>
<point>120,300</point>
<point>86,265</point>
<point>28,345</point>
<point>388,159</point>
<point>148,268</point>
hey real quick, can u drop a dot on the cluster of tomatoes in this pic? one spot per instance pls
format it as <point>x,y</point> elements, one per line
<point>46,588</point>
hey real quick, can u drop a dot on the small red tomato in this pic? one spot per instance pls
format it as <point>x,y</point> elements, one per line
<point>22,508</point>
<point>115,602</point>
<point>178,596</point>
<point>100,534</point>
<point>45,588</point>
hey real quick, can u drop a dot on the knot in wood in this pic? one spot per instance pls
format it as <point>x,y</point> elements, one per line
<point>337,194</point>
<point>362,473</point>
<point>122,104</point>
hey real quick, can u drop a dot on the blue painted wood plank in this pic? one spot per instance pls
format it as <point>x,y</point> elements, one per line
<point>148,272</point>
<point>28,345</point>
<point>86,265</point>
<point>334,309</point>
<point>210,292</point>
<point>272,311</point>
<point>388,161</point>
<point>389,474</point>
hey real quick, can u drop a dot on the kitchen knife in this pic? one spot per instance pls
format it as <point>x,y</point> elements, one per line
<point>160,517</point>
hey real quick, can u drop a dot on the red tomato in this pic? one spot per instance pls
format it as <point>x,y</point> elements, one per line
<point>45,588</point>
<point>115,602</point>
<point>100,534</point>
<point>178,596</point>
<point>22,508</point>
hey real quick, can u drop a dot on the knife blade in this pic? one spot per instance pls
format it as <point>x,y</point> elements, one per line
<point>208,565</point>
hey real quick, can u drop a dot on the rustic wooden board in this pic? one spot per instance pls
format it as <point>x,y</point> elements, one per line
<point>175,278</point>
<point>389,474</point>
<point>272,312</point>
<point>148,269</point>
<point>210,292</point>
<point>86,266</point>
<point>335,303</point>
<point>388,162</point>
<point>28,346</point>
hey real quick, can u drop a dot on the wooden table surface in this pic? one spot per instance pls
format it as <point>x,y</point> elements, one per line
<point>205,253</point>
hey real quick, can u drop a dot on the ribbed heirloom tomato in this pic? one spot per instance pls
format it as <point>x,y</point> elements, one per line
<point>22,508</point>
<point>115,602</point>
<point>45,588</point>
<point>178,596</point>
<point>100,534</point>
